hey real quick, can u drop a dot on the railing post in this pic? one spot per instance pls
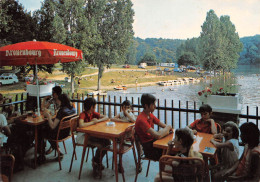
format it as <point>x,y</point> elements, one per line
<point>172,115</point>
<point>78,104</point>
<point>187,113</point>
<point>165,112</point>
<point>257,115</point>
<point>115,111</point>
<point>104,107</point>
<point>109,107</point>
<point>179,114</point>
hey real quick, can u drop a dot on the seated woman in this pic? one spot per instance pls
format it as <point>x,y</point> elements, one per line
<point>183,141</point>
<point>50,131</point>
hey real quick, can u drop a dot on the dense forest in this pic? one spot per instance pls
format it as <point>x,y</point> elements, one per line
<point>251,50</point>
<point>165,50</point>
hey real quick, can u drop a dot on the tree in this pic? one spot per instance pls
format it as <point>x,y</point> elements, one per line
<point>148,58</point>
<point>230,44</point>
<point>113,20</point>
<point>188,58</point>
<point>211,42</point>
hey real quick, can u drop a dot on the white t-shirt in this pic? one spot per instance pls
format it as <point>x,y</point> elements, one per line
<point>3,122</point>
<point>122,116</point>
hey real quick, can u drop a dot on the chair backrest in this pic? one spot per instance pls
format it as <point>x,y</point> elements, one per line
<point>7,165</point>
<point>65,123</point>
<point>74,122</point>
<point>189,168</point>
<point>137,142</point>
<point>218,128</point>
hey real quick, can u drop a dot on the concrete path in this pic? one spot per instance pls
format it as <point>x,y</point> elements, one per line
<point>49,171</point>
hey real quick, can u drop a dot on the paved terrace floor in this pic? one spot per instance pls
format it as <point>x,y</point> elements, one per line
<point>49,171</point>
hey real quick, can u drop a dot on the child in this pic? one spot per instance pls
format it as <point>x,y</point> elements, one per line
<point>205,124</point>
<point>144,128</point>
<point>182,141</point>
<point>229,149</point>
<point>246,168</point>
<point>87,118</point>
<point>126,114</point>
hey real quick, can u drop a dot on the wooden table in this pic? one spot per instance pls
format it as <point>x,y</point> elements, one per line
<point>101,130</point>
<point>34,121</point>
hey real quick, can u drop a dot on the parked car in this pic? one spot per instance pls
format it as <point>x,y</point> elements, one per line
<point>177,70</point>
<point>6,80</point>
<point>166,69</point>
<point>9,74</point>
<point>140,66</point>
<point>126,66</point>
<point>158,68</point>
<point>28,78</point>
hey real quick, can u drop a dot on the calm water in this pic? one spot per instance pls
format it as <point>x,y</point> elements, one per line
<point>248,77</point>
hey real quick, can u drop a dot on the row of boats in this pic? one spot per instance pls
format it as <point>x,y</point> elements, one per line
<point>179,81</point>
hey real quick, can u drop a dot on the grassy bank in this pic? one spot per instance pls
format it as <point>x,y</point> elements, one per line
<point>89,79</point>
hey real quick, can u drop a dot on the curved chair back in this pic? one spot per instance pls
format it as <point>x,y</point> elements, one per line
<point>64,124</point>
<point>7,165</point>
<point>189,168</point>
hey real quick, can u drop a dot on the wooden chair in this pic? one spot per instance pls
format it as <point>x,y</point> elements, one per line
<point>140,155</point>
<point>74,122</point>
<point>123,147</point>
<point>64,124</point>
<point>189,169</point>
<point>7,166</point>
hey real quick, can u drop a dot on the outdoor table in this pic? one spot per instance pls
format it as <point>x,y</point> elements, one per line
<point>33,121</point>
<point>201,144</point>
<point>101,130</point>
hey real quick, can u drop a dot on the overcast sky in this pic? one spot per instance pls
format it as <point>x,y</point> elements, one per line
<point>182,19</point>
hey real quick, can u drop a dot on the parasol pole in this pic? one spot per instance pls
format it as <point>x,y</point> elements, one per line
<point>38,89</point>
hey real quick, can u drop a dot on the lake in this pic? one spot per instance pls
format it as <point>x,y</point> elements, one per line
<point>248,77</point>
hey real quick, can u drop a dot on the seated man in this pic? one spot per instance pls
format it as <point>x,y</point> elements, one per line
<point>144,128</point>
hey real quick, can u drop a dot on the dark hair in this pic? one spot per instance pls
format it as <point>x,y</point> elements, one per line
<point>250,134</point>
<point>65,101</point>
<point>147,99</point>
<point>126,103</point>
<point>205,108</point>
<point>186,136</point>
<point>234,127</point>
<point>88,102</point>
<point>57,90</point>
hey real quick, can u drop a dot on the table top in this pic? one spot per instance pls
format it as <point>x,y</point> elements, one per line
<point>200,143</point>
<point>101,129</point>
<point>32,120</point>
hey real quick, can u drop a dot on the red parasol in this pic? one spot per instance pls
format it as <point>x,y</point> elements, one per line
<point>36,52</point>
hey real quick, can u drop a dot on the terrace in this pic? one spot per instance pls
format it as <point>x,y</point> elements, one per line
<point>49,171</point>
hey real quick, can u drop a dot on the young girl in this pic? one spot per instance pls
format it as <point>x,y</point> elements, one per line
<point>229,149</point>
<point>246,168</point>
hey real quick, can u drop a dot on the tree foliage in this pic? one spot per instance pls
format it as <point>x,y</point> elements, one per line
<point>251,50</point>
<point>148,58</point>
<point>188,58</point>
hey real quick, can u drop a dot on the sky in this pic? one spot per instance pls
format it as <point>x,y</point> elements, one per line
<point>182,19</point>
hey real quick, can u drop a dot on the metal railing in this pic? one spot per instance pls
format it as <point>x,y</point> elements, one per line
<point>168,112</point>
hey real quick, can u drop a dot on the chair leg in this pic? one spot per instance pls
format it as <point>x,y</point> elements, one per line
<point>107,159</point>
<point>87,155</point>
<point>64,147</point>
<point>58,150</point>
<point>121,166</point>
<point>135,156</point>
<point>148,168</point>
<point>74,153</point>
<point>137,168</point>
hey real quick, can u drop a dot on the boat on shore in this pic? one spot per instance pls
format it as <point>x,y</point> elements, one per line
<point>99,92</point>
<point>120,87</point>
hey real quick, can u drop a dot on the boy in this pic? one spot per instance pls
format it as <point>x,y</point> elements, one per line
<point>205,124</point>
<point>144,127</point>
<point>126,114</point>
<point>87,118</point>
